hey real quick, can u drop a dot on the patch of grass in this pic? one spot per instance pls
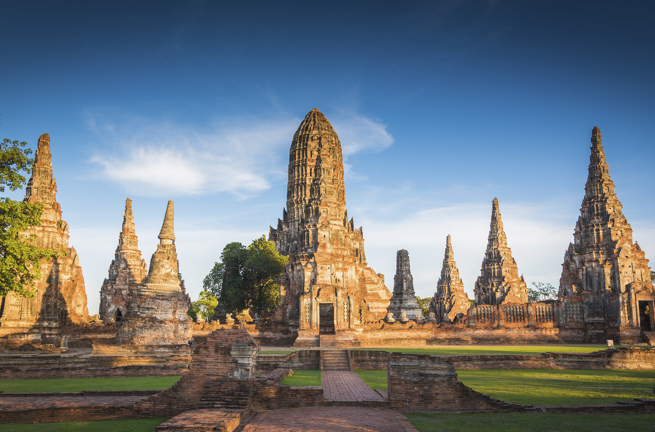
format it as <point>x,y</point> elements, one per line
<point>304,378</point>
<point>277,352</point>
<point>123,425</point>
<point>516,422</point>
<point>560,387</point>
<point>80,384</point>
<point>493,350</point>
<point>376,379</point>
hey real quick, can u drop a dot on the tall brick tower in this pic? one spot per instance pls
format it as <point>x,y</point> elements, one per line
<point>327,285</point>
<point>603,268</point>
<point>450,302</point>
<point>499,281</point>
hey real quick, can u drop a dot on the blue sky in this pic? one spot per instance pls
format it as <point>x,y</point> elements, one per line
<point>440,107</point>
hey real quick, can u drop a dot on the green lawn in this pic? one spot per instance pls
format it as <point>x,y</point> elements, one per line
<point>123,425</point>
<point>304,378</point>
<point>376,379</point>
<point>80,384</point>
<point>555,387</point>
<point>531,422</point>
<point>493,350</point>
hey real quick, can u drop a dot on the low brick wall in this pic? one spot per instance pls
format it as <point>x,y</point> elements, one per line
<point>369,360</point>
<point>302,359</point>
<point>269,395</point>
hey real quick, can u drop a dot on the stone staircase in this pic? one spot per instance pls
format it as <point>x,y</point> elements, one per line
<point>226,395</point>
<point>335,360</point>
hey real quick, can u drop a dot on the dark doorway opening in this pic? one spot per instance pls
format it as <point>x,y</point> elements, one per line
<point>326,318</point>
<point>645,312</point>
<point>118,315</point>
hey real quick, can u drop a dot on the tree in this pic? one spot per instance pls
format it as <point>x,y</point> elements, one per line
<point>205,305</point>
<point>541,292</point>
<point>246,277</point>
<point>19,257</point>
<point>424,304</point>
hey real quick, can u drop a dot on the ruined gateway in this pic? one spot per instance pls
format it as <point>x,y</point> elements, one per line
<point>327,285</point>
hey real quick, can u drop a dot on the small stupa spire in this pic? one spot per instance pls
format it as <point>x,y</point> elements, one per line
<point>168,229</point>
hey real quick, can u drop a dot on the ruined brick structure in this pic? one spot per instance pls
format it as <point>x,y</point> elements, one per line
<point>59,296</point>
<point>126,272</point>
<point>157,314</point>
<point>404,298</point>
<point>450,302</point>
<point>605,275</point>
<point>499,281</point>
<point>327,285</point>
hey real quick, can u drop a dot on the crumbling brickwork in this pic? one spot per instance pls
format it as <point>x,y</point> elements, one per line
<point>499,281</point>
<point>126,272</point>
<point>59,296</point>
<point>450,302</point>
<point>404,297</point>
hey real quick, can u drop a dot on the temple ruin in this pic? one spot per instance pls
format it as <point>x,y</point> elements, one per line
<point>499,281</point>
<point>59,296</point>
<point>403,303</point>
<point>605,275</point>
<point>450,302</point>
<point>327,285</point>
<point>126,272</point>
<point>157,315</point>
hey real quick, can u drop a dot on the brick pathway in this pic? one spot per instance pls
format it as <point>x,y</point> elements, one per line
<point>347,386</point>
<point>330,419</point>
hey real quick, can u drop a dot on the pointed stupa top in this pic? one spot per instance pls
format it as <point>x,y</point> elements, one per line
<point>167,229</point>
<point>497,237</point>
<point>127,238</point>
<point>449,255</point>
<point>449,281</point>
<point>42,186</point>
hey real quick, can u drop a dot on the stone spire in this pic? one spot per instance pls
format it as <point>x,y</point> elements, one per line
<point>404,298</point>
<point>164,274</point>
<point>126,272</point>
<point>499,281</point>
<point>450,300</point>
<point>167,232</point>
<point>603,257</point>
<point>60,296</point>
<point>327,263</point>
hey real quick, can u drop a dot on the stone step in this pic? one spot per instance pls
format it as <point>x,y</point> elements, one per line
<point>335,360</point>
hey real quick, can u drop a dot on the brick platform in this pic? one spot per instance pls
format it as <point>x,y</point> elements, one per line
<point>204,420</point>
<point>337,419</point>
<point>347,386</point>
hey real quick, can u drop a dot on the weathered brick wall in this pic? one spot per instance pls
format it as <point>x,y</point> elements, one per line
<point>369,360</point>
<point>422,383</point>
<point>269,395</point>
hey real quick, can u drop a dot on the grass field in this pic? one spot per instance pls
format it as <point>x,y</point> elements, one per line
<point>376,379</point>
<point>547,386</point>
<point>531,422</point>
<point>123,425</point>
<point>493,350</point>
<point>555,387</point>
<point>303,378</point>
<point>80,384</point>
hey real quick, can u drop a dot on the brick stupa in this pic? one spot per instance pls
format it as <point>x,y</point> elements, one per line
<point>59,296</point>
<point>603,268</point>
<point>327,275</point>
<point>126,272</point>
<point>450,301</point>
<point>499,282</point>
<point>404,297</point>
<point>157,316</point>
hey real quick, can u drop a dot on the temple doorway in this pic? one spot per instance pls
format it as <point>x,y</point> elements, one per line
<point>118,315</point>
<point>326,318</point>
<point>645,311</point>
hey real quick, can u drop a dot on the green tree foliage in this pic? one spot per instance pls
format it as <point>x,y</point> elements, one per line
<point>541,291</point>
<point>19,258</point>
<point>246,277</point>
<point>424,304</point>
<point>205,305</point>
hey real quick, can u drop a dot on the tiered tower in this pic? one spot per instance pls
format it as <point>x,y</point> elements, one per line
<point>59,296</point>
<point>126,272</point>
<point>404,298</point>
<point>450,302</point>
<point>157,315</point>
<point>603,267</point>
<point>327,274</point>
<point>499,282</point>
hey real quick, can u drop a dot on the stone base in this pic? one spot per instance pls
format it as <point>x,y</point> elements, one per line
<point>102,349</point>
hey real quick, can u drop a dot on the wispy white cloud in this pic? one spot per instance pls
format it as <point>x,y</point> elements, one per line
<point>241,156</point>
